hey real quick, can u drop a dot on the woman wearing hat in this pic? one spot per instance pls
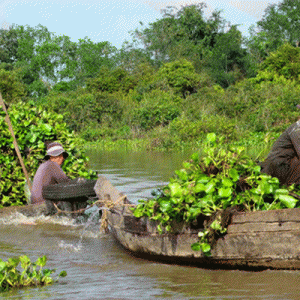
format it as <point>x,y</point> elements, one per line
<point>49,172</point>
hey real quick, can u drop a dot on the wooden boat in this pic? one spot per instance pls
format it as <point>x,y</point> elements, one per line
<point>72,195</point>
<point>254,240</point>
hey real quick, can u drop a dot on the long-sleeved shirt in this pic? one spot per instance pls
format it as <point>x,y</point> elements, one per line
<point>287,145</point>
<point>48,172</point>
<point>284,156</point>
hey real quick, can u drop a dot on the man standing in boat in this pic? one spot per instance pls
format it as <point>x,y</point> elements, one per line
<point>283,160</point>
<point>49,172</point>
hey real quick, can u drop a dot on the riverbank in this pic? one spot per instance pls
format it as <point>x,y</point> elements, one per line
<point>257,145</point>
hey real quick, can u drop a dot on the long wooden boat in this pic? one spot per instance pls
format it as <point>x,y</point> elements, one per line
<point>254,240</point>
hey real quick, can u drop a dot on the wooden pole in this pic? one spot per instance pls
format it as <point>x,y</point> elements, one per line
<point>15,142</point>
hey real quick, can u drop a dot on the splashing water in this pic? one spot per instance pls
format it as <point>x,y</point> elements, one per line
<point>17,218</point>
<point>90,223</point>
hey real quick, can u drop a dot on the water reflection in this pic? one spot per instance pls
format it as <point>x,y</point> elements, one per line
<point>137,174</point>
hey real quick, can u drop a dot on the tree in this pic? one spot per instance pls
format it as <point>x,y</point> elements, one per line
<point>111,81</point>
<point>229,61</point>
<point>92,56</point>
<point>280,24</point>
<point>8,45</point>
<point>46,59</point>
<point>185,33</point>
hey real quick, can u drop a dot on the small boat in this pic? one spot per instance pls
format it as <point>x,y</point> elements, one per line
<point>70,197</point>
<point>254,240</point>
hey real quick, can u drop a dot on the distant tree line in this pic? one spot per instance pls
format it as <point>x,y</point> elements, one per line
<point>178,78</point>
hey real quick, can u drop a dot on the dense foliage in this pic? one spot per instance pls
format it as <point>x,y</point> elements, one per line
<point>216,179</point>
<point>32,274</point>
<point>33,126</point>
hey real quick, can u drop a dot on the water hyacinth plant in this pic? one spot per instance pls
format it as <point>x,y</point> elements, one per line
<point>33,126</point>
<point>217,179</point>
<point>32,274</point>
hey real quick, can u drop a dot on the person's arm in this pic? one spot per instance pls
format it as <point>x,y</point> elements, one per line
<point>58,175</point>
<point>295,137</point>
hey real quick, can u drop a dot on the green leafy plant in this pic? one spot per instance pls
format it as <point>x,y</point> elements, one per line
<point>32,274</point>
<point>220,178</point>
<point>33,126</point>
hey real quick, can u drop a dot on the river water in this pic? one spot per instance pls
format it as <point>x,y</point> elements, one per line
<point>98,268</point>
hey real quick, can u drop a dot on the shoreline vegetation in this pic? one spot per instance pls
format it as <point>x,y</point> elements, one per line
<point>179,78</point>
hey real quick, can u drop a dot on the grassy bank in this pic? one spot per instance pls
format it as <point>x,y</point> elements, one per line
<point>257,146</point>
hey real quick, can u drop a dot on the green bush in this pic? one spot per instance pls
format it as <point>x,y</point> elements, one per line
<point>157,108</point>
<point>111,81</point>
<point>181,76</point>
<point>11,87</point>
<point>284,62</point>
<point>82,108</point>
<point>33,126</point>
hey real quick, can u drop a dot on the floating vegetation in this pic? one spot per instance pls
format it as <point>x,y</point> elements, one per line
<point>32,274</point>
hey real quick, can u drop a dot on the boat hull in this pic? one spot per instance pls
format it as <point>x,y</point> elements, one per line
<point>252,245</point>
<point>254,240</point>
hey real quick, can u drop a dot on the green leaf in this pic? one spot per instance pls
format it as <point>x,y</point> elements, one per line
<point>138,212</point>
<point>25,261</point>
<point>205,247</point>
<point>13,261</point>
<point>195,157</point>
<point>225,192</point>
<point>182,174</point>
<point>33,138</point>
<point>46,128</point>
<point>227,182</point>
<point>199,187</point>
<point>210,187</point>
<point>211,137</point>
<point>175,189</point>
<point>196,246</point>
<point>233,173</point>
<point>165,206</point>
<point>63,274</point>
<point>41,261</point>
<point>281,191</point>
<point>2,265</point>
<point>288,201</point>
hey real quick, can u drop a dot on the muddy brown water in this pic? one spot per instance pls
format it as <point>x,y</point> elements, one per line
<point>98,268</point>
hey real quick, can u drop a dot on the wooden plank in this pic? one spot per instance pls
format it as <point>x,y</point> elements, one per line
<point>263,227</point>
<point>280,215</point>
<point>282,245</point>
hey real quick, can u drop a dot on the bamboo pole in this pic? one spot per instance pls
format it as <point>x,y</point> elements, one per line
<point>7,119</point>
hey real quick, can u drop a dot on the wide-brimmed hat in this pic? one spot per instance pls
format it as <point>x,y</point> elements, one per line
<point>55,149</point>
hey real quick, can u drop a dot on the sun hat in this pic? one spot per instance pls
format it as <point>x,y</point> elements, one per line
<point>55,149</point>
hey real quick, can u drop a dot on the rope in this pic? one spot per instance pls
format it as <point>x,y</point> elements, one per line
<point>107,205</point>
<point>59,211</point>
